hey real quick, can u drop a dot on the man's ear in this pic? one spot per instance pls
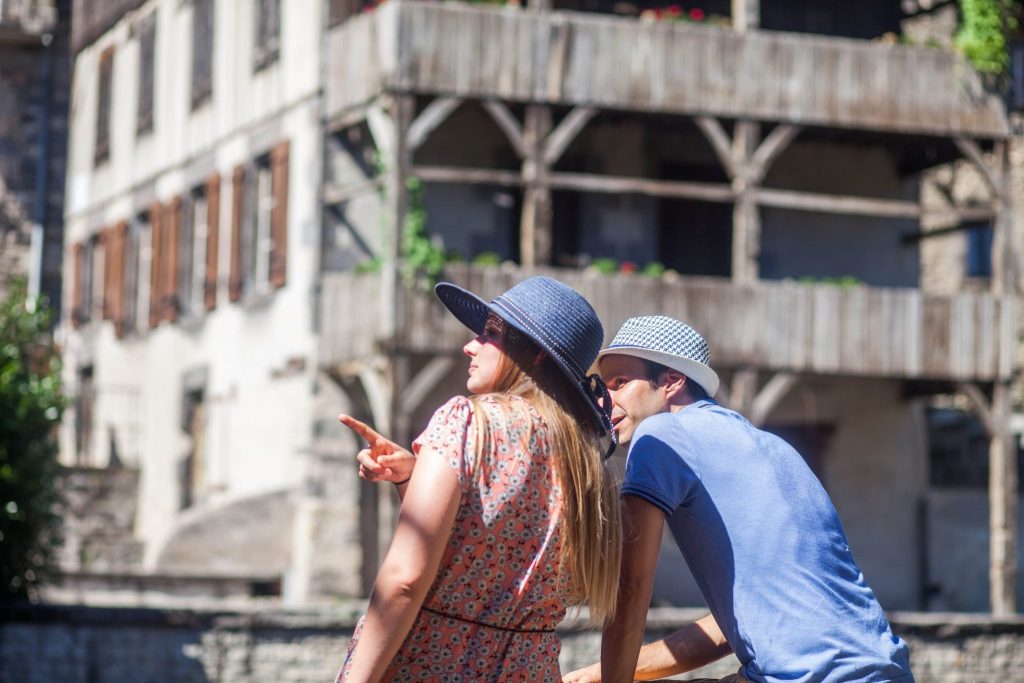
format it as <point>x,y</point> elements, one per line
<point>674,383</point>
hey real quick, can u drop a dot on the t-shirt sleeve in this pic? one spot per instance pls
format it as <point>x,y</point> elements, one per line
<point>449,435</point>
<point>656,471</point>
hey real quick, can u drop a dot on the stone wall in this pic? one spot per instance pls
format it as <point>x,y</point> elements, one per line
<point>74,644</point>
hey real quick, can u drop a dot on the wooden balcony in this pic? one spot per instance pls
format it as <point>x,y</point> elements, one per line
<point>571,58</point>
<point>802,328</point>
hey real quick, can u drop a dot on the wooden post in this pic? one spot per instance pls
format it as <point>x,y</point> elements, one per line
<point>746,14</point>
<point>746,219</point>
<point>743,390</point>
<point>535,224</point>
<point>391,133</point>
<point>1002,483</point>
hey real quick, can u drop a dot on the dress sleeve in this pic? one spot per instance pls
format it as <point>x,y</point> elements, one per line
<point>450,435</point>
<point>658,469</point>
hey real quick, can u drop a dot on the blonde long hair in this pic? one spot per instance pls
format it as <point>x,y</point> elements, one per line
<point>590,522</point>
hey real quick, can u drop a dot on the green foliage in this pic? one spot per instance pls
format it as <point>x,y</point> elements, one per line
<point>487,258</point>
<point>423,261</point>
<point>844,281</point>
<point>654,269</point>
<point>31,403</point>
<point>982,37</point>
<point>605,266</point>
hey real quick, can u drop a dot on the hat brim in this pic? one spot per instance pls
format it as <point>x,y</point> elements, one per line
<point>472,311</point>
<point>698,372</point>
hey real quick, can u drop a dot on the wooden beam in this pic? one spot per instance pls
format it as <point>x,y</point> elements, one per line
<point>970,149</point>
<point>746,216</point>
<point>774,144</point>
<point>743,389</point>
<point>382,129</point>
<point>563,135</point>
<point>337,193</point>
<point>859,206</point>
<point>1002,487</point>
<point>770,395</point>
<point>420,386</point>
<point>470,176</point>
<point>508,125</point>
<point>587,182</point>
<point>746,14</point>
<point>535,221</point>
<point>430,118</point>
<point>720,143</point>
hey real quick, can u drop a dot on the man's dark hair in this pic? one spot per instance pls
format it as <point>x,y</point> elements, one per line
<point>655,370</point>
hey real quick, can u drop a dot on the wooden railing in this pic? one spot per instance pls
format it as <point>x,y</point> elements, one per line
<point>623,63</point>
<point>804,328</point>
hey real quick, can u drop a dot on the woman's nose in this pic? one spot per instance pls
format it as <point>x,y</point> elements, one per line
<point>470,349</point>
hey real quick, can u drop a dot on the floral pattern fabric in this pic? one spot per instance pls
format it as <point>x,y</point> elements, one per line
<point>491,612</point>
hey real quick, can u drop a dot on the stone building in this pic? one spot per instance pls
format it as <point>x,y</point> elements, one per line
<point>34,78</point>
<point>252,191</point>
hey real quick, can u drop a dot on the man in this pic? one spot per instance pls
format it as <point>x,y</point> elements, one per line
<point>755,526</point>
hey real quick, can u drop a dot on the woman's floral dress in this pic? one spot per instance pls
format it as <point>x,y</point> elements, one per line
<point>490,614</point>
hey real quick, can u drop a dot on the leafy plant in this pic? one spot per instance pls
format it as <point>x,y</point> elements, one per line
<point>982,37</point>
<point>422,260</point>
<point>654,269</point>
<point>605,266</point>
<point>487,258</point>
<point>31,403</point>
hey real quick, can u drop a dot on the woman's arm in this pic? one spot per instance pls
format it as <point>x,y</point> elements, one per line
<point>428,511</point>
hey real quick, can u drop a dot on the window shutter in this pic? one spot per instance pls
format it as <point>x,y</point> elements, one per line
<point>106,242</point>
<point>121,242</point>
<point>171,251</point>
<point>212,240</point>
<point>237,197</point>
<point>76,285</point>
<point>156,263</point>
<point>279,215</point>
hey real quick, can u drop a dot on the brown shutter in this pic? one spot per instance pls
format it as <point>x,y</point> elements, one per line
<point>156,279</point>
<point>212,240</point>
<point>121,242</point>
<point>279,214</point>
<point>76,284</point>
<point>106,242</point>
<point>237,197</point>
<point>171,251</point>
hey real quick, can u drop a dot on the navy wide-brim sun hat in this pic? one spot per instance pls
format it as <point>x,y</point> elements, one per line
<point>553,315</point>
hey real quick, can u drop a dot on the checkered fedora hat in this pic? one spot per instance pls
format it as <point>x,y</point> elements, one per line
<point>669,342</point>
<point>556,317</point>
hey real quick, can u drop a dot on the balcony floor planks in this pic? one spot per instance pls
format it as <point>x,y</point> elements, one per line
<point>571,58</point>
<point>797,327</point>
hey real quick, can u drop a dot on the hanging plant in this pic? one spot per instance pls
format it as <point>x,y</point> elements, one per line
<point>982,37</point>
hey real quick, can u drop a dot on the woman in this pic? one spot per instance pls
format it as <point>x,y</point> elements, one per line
<point>508,516</point>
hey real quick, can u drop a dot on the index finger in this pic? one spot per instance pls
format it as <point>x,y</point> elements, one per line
<point>359,428</point>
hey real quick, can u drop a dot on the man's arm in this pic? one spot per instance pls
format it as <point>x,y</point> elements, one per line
<point>624,632</point>
<point>689,648</point>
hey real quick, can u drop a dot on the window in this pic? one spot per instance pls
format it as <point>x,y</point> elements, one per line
<point>1017,75</point>
<point>193,238</point>
<point>138,262</point>
<point>979,251</point>
<point>202,51</point>
<point>147,73</point>
<point>106,74</point>
<point>84,400</point>
<point>268,33</point>
<point>259,230</point>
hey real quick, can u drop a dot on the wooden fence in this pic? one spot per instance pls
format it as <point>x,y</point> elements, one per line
<point>808,328</point>
<point>624,63</point>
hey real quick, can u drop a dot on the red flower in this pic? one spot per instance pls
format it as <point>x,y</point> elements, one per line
<point>697,14</point>
<point>627,267</point>
<point>674,10</point>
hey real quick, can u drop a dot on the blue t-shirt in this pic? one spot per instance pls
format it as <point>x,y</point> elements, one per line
<point>766,548</point>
